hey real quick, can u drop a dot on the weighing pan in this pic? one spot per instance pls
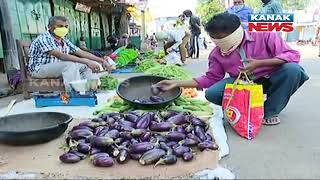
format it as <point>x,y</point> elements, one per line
<point>139,87</point>
<point>32,128</point>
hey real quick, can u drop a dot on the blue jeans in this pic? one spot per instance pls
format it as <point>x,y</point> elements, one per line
<point>283,84</point>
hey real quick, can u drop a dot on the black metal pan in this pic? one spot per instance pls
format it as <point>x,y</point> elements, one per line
<point>139,87</point>
<point>33,128</point>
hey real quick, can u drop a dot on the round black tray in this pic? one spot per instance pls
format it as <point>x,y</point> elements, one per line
<point>33,128</point>
<point>139,87</point>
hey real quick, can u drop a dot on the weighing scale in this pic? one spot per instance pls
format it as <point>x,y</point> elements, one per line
<point>72,98</point>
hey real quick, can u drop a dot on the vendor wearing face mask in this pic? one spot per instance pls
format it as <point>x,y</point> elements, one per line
<point>242,11</point>
<point>53,55</point>
<point>270,62</point>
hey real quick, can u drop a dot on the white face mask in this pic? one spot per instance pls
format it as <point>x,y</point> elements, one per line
<point>238,7</point>
<point>231,42</point>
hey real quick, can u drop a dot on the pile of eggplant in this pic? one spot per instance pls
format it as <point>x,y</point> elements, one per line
<point>156,138</point>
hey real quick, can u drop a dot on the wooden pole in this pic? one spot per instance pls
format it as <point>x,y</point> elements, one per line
<point>9,44</point>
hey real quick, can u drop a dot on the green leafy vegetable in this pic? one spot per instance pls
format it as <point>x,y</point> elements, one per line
<point>145,65</point>
<point>109,83</point>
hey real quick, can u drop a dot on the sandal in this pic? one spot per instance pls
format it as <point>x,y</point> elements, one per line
<point>271,121</point>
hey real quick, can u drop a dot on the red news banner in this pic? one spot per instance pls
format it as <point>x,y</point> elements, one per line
<point>271,22</point>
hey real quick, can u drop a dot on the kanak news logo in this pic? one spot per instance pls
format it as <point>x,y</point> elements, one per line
<point>270,22</point>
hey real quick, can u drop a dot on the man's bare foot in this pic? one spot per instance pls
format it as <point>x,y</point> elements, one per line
<point>271,121</point>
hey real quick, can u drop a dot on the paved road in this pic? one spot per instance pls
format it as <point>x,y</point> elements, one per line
<point>289,150</point>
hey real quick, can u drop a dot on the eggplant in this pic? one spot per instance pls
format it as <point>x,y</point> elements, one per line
<point>175,136</point>
<point>167,160</point>
<point>114,134</point>
<point>180,129</point>
<point>119,140</point>
<point>141,148</point>
<point>84,148</point>
<point>135,156</point>
<point>103,161</point>
<point>125,123</point>
<point>90,124</point>
<point>155,90</point>
<point>98,141</point>
<point>193,137</point>
<point>151,156</point>
<point>125,135</point>
<point>144,121</point>
<point>146,137</point>
<point>69,158</point>
<point>161,138</point>
<point>198,122</point>
<point>110,120</point>
<point>208,137</point>
<point>199,132</point>
<point>156,99</point>
<point>81,155</point>
<point>112,151</point>
<point>189,142</point>
<point>125,144</point>
<point>189,128</point>
<point>131,117</point>
<point>95,151</point>
<point>117,118</point>
<point>103,132</point>
<point>138,132</point>
<point>80,134</point>
<point>97,155</point>
<point>82,141</point>
<point>97,120</point>
<point>113,114</point>
<point>171,143</point>
<point>123,156</point>
<point>207,145</point>
<point>104,116</point>
<point>134,141</point>
<point>180,150</point>
<point>167,148</point>
<point>161,126</point>
<point>168,114</point>
<point>82,127</point>
<point>188,156</point>
<point>178,119</point>
<point>127,128</point>
<point>98,130</point>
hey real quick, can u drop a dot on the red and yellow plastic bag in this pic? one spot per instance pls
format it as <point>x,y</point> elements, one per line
<point>243,105</point>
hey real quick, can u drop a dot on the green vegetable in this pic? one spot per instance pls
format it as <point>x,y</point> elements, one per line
<point>126,56</point>
<point>145,65</point>
<point>161,54</point>
<point>149,54</point>
<point>109,83</point>
<point>169,71</point>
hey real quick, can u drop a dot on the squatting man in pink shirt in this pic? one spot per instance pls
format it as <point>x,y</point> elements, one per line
<point>264,55</point>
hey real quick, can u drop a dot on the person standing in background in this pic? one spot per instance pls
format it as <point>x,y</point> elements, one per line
<point>242,11</point>
<point>195,24</point>
<point>184,45</point>
<point>271,7</point>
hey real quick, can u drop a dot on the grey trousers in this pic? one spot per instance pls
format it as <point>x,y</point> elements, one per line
<point>283,84</point>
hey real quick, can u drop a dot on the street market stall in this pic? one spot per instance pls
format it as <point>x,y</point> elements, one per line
<point>154,135</point>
